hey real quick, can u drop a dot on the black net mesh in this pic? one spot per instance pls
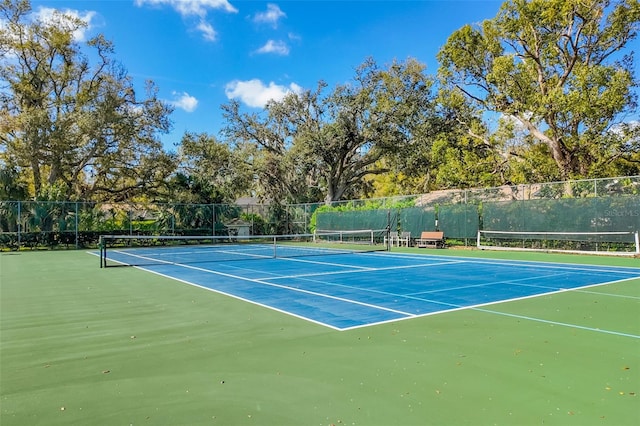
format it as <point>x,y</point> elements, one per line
<point>142,250</point>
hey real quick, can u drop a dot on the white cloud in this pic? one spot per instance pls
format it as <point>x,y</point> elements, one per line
<point>191,7</point>
<point>271,16</point>
<point>184,101</point>
<point>64,19</point>
<point>626,128</point>
<point>197,8</point>
<point>277,47</point>
<point>207,31</point>
<point>256,94</point>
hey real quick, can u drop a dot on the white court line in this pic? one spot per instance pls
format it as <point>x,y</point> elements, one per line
<point>518,282</point>
<point>168,262</point>
<point>261,281</point>
<point>478,307</point>
<point>580,327</point>
<point>624,296</point>
<point>634,271</point>
<point>322,274</point>
<point>564,324</point>
<point>253,302</point>
<point>503,262</point>
<point>584,267</point>
<point>406,314</point>
<point>457,307</point>
<point>575,268</point>
<point>292,259</point>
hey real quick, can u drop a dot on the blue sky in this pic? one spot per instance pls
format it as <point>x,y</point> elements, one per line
<point>202,53</point>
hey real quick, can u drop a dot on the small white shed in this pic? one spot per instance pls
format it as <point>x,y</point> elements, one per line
<point>239,227</point>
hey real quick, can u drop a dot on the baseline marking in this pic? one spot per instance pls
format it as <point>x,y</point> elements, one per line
<point>564,324</point>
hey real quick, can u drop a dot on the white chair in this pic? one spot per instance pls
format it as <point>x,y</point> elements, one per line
<point>393,239</point>
<point>405,239</point>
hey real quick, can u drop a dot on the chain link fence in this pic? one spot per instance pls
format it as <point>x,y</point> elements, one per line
<point>611,204</point>
<point>591,205</point>
<point>39,224</point>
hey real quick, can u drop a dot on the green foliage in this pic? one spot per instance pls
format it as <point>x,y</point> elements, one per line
<point>194,189</point>
<point>391,183</point>
<point>560,70</point>
<point>317,144</point>
<point>211,171</point>
<point>258,224</point>
<point>558,75</point>
<point>365,205</point>
<point>70,119</point>
<point>52,192</point>
<point>11,186</point>
<point>464,162</point>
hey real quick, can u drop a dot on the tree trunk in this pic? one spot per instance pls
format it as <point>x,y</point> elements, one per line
<point>37,178</point>
<point>559,152</point>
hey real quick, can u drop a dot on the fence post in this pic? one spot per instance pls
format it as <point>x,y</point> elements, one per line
<point>19,223</point>
<point>77,245</point>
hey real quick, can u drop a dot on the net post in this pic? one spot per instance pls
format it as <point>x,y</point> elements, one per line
<point>478,240</point>
<point>637,243</point>
<point>275,254</point>
<point>101,247</point>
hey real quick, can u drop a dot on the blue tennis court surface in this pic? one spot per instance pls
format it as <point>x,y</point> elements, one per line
<point>356,290</point>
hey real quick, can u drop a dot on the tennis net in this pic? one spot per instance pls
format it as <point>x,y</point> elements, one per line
<point>611,243</point>
<point>141,250</point>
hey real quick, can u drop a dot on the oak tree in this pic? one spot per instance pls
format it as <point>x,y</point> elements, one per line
<point>563,69</point>
<point>69,114</point>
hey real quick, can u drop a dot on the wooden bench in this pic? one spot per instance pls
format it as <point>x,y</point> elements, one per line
<point>427,239</point>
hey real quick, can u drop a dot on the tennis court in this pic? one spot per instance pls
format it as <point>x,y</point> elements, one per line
<point>356,289</point>
<point>325,340</point>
